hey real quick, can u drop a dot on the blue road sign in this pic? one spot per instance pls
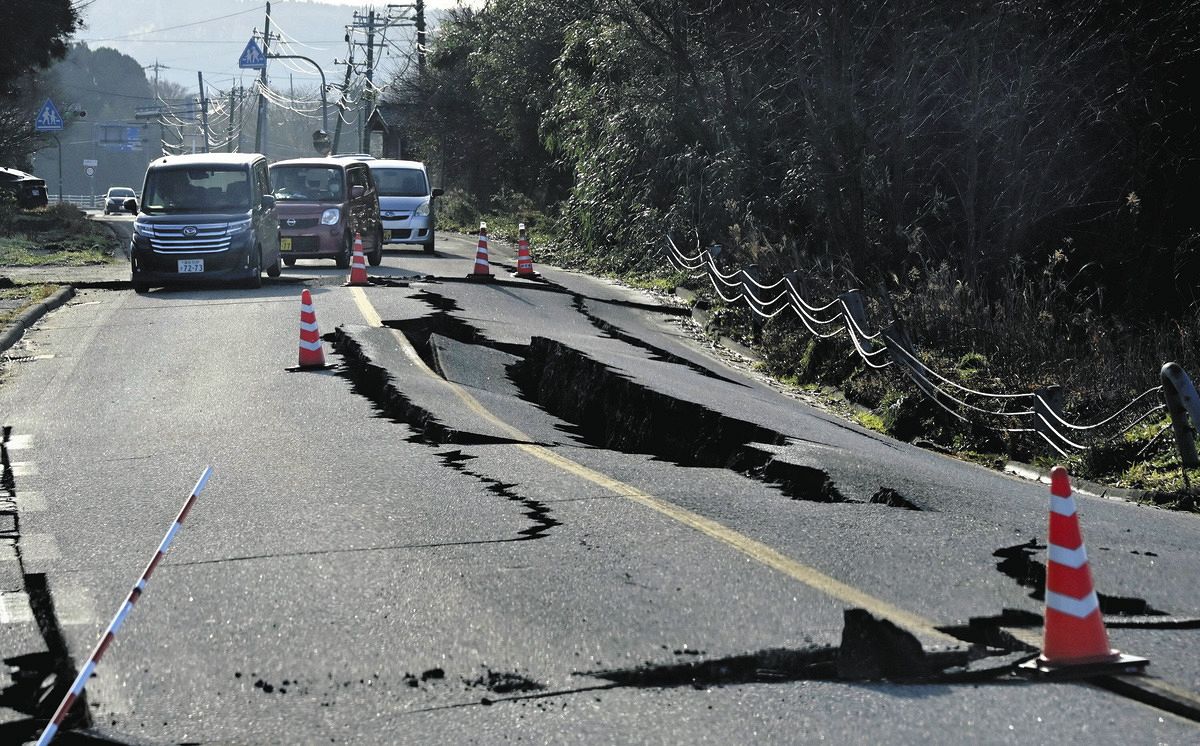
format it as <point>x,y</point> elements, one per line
<point>252,57</point>
<point>48,119</point>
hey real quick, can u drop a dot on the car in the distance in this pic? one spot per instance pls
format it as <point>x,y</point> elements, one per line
<point>323,204</point>
<point>405,202</point>
<point>28,190</point>
<point>114,199</point>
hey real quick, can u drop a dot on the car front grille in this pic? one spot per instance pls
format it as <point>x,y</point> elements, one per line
<point>294,223</point>
<point>208,238</point>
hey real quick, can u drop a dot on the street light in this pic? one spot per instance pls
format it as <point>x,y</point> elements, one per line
<point>324,113</point>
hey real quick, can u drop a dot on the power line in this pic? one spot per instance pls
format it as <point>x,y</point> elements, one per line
<point>182,25</point>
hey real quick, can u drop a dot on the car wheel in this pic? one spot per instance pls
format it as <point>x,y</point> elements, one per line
<point>376,257</point>
<point>140,287</point>
<point>343,259</point>
<point>428,246</point>
<point>254,281</point>
<point>289,261</point>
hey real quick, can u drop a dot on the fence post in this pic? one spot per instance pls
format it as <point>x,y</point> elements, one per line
<point>1182,402</point>
<point>900,349</point>
<point>1048,409</point>
<point>852,302</point>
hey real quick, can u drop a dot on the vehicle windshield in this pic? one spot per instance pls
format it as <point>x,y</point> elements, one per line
<point>197,189</point>
<point>307,183</point>
<point>120,192</point>
<point>400,182</point>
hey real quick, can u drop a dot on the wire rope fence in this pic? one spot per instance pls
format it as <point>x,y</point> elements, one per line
<point>1034,413</point>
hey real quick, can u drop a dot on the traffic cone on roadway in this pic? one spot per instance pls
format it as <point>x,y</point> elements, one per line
<point>312,354</point>
<point>483,270</point>
<point>358,265</point>
<point>524,261</point>
<point>1075,642</point>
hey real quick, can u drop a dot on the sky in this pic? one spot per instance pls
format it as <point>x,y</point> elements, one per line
<point>186,42</point>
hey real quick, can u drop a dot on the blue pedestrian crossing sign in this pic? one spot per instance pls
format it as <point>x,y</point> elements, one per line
<point>48,119</point>
<point>252,57</point>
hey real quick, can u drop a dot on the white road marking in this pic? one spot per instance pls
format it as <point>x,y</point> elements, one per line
<point>14,608</point>
<point>20,442</point>
<point>24,469</point>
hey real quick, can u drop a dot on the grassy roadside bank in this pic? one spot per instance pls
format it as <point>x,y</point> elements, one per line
<point>56,236</point>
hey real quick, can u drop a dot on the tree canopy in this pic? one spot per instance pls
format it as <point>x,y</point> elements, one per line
<point>33,33</point>
<point>883,136</point>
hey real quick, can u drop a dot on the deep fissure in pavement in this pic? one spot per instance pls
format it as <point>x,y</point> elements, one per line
<point>442,322</point>
<point>606,409</point>
<point>375,384</point>
<point>656,353</point>
<point>893,499</point>
<point>1017,562</point>
<point>611,411</point>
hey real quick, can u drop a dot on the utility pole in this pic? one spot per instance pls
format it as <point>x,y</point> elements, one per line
<point>260,131</point>
<point>420,22</point>
<point>369,92</point>
<point>341,108</point>
<point>155,67</point>
<point>203,110</point>
<point>232,114</point>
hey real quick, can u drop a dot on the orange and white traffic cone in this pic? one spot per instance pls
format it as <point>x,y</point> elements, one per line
<point>483,270</point>
<point>312,354</point>
<point>358,265</point>
<point>1075,642</point>
<point>524,261</point>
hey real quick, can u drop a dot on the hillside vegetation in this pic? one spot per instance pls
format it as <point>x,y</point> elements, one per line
<point>1014,181</point>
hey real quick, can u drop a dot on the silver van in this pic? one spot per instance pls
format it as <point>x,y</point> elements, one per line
<point>405,202</point>
<point>205,216</point>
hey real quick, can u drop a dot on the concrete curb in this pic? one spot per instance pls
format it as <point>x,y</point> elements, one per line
<point>33,314</point>
<point>702,317</point>
<point>1095,489</point>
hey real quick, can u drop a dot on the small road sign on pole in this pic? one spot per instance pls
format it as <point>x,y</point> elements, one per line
<point>48,119</point>
<point>252,57</point>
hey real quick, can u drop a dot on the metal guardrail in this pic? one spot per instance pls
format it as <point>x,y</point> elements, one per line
<point>79,200</point>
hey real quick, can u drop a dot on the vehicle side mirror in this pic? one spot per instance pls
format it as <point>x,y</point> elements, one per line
<point>437,192</point>
<point>357,191</point>
<point>268,201</point>
<point>130,205</point>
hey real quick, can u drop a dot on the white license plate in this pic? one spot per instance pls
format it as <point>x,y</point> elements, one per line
<point>37,192</point>
<point>191,265</point>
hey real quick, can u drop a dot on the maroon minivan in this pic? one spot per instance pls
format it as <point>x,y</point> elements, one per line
<point>322,203</point>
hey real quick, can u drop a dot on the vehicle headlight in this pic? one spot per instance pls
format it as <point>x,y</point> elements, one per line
<point>143,229</point>
<point>240,226</point>
<point>331,216</point>
<point>422,210</point>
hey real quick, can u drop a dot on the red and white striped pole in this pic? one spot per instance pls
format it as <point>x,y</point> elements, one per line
<point>115,625</point>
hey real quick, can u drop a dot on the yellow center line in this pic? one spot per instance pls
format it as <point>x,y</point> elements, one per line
<point>756,550</point>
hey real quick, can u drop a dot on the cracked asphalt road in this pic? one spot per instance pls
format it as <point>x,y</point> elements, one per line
<point>351,546</point>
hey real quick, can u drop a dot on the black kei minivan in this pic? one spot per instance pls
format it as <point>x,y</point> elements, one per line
<point>205,217</point>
